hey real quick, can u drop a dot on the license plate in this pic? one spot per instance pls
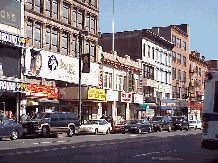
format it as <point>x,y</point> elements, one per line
<point>126,129</point>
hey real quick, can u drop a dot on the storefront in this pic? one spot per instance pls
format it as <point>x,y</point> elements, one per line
<point>133,107</point>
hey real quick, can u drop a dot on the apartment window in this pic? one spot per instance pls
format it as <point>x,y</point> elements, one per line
<point>120,83</point>
<point>184,61</point>
<point>77,45</point>
<point>87,21</point>
<point>153,53</point>
<point>92,52</point>
<point>166,59</point>
<point>174,73</point>
<point>87,47</point>
<point>161,56</point>
<point>184,76</point>
<point>48,8</point>
<point>93,25</point>
<point>30,31</point>
<point>174,56</point>
<point>48,38</point>
<point>54,37</point>
<point>157,72</point>
<point>178,43</point>
<point>37,35</point>
<point>64,42</point>
<point>144,50</point>
<point>174,92</point>
<point>157,55</point>
<point>74,16</point>
<point>116,83</point>
<point>93,3</point>
<point>174,39</point>
<point>184,45</point>
<point>110,80</point>
<point>145,71</point>
<point>196,70</point>
<point>30,4</point>
<point>73,45</point>
<point>80,19</point>
<point>179,58</point>
<point>149,51</point>
<point>179,75</point>
<point>169,60</point>
<point>199,71</point>
<point>37,6</point>
<point>165,77</point>
<point>55,9</point>
<point>65,13</point>
<point>151,73</point>
<point>107,80</point>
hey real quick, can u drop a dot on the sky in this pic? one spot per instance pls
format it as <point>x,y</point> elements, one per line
<point>200,15</point>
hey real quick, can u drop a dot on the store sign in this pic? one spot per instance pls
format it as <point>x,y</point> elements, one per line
<point>49,65</point>
<point>138,99</point>
<point>12,39</point>
<point>8,86</point>
<point>96,94</point>
<point>112,95</point>
<point>126,97</point>
<point>41,91</point>
<point>100,77</point>
<point>10,12</point>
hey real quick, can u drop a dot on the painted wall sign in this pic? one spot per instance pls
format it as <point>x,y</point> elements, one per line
<point>96,94</point>
<point>8,86</point>
<point>41,91</point>
<point>126,97</point>
<point>10,12</point>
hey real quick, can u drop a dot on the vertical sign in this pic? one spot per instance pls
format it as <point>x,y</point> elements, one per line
<point>100,77</point>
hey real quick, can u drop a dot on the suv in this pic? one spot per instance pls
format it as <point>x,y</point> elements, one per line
<point>161,123</point>
<point>180,123</point>
<point>56,122</point>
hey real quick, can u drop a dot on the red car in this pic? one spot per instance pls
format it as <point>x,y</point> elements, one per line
<point>117,128</point>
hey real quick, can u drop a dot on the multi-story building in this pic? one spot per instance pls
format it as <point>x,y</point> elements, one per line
<point>156,55</point>
<point>213,64</point>
<point>59,31</point>
<point>198,68</point>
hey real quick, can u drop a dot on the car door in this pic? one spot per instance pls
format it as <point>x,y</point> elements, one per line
<point>1,128</point>
<point>54,123</point>
<point>62,122</point>
<point>7,125</point>
<point>101,126</point>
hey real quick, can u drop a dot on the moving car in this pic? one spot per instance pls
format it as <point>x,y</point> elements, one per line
<point>180,123</point>
<point>8,128</point>
<point>56,122</point>
<point>137,126</point>
<point>161,123</point>
<point>117,128</point>
<point>95,126</point>
<point>195,124</point>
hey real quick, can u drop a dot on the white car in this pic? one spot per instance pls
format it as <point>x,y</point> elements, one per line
<point>195,124</point>
<point>95,126</point>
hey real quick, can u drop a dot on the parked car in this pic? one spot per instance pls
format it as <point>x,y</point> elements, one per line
<point>137,126</point>
<point>8,128</point>
<point>161,123</point>
<point>95,126</point>
<point>195,124</point>
<point>117,128</point>
<point>180,123</point>
<point>55,122</point>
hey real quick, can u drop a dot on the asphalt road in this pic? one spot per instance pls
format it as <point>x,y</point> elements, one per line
<point>173,147</point>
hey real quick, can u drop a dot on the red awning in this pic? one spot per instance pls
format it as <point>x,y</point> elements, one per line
<point>196,106</point>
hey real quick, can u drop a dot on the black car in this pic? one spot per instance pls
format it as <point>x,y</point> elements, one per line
<point>47,123</point>
<point>137,126</point>
<point>180,123</point>
<point>161,123</point>
<point>8,128</point>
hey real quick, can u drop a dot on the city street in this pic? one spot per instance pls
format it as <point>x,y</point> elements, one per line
<point>179,146</point>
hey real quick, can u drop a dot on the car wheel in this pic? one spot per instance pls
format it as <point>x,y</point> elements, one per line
<point>160,130</point>
<point>108,131</point>
<point>96,131</point>
<point>44,132</point>
<point>139,131</point>
<point>187,128</point>
<point>150,130</point>
<point>14,135</point>
<point>70,132</point>
<point>195,127</point>
<point>169,129</point>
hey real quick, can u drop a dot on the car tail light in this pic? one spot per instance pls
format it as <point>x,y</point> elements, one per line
<point>205,125</point>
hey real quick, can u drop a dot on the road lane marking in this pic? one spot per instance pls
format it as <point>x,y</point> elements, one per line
<point>45,142</point>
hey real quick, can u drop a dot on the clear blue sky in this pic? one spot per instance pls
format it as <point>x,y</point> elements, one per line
<point>200,15</point>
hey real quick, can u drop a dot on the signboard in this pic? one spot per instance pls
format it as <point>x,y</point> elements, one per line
<point>126,97</point>
<point>138,99</point>
<point>96,94</point>
<point>112,95</point>
<point>41,91</point>
<point>10,13</point>
<point>100,82</point>
<point>8,86</point>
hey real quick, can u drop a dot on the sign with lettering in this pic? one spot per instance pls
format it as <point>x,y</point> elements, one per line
<point>96,94</point>
<point>100,77</point>
<point>8,86</point>
<point>126,97</point>
<point>10,13</point>
<point>41,91</point>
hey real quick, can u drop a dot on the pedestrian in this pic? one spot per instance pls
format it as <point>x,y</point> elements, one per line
<point>23,118</point>
<point>103,116</point>
<point>27,117</point>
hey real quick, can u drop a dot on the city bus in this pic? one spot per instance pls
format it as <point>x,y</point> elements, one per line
<point>210,112</point>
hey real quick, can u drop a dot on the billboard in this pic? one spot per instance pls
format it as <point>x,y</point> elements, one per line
<point>10,13</point>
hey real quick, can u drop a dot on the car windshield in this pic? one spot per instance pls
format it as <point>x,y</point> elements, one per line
<point>91,122</point>
<point>157,119</point>
<point>133,122</point>
<point>39,116</point>
<point>192,121</point>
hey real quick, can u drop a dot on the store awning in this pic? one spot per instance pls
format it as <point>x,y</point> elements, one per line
<point>168,101</point>
<point>142,107</point>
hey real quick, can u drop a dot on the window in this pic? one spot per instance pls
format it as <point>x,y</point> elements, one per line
<point>179,75</point>
<point>116,83</point>
<point>65,13</point>
<point>30,31</point>
<point>184,76</point>
<point>169,60</point>
<point>178,43</point>
<point>92,52</point>
<point>54,37</point>
<point>120,88</point>
<point>161,56</point>
<point>93,3</point>
<point>93,25</point>
<point>157,72</point>
<point>174,92</point>
<point>165,77</point>
<point>153,53</point>
<point>179,58</point>
<point>30,4</point>
<point>64,42</point>
<point>48,8</point>
<point>184,45</point>
<point>37,35</point>
<point>174,39</point>
<point>184,61</point>
<point>74,16</point>
<point>196,70</point>
<point>199,71</point>
<point>149,51</point>
<point>174,73</point>
<point>87,47</point>
<point>107,80</point>
<point>88,21</point>
<point>73,45</point>
<point>55,9</point>
<point>174,56</point>
<point>144,50</point>
<point>166,59</point>
<point>157,55</point>
<point>48,38</point>
<point>80,19</point>
<point>38,6</point>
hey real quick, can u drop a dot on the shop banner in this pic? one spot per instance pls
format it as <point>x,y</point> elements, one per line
<point>138,99</point>
<point>96,94</point>
<point>126,97</point>
<point>45,64</point>
<point>41,91</point>
<point>112,95</point>
<point>8,86</point>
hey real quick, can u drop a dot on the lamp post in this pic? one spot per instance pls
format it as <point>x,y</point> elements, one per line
<point>80,66</point>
